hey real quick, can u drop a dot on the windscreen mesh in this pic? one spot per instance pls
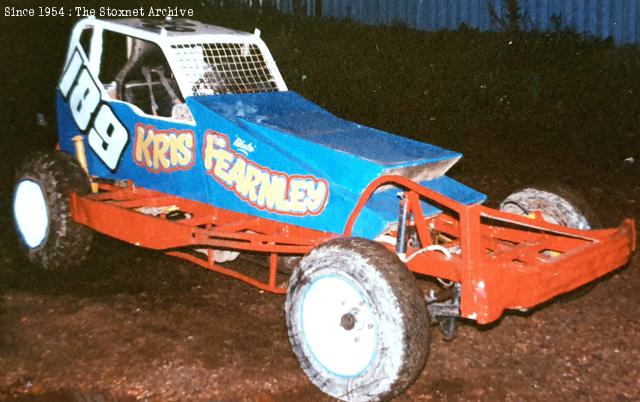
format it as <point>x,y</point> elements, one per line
<point>219,68</point>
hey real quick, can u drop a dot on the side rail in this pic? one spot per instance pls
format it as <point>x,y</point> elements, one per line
<point>197,232</point>
<point>501,260</point>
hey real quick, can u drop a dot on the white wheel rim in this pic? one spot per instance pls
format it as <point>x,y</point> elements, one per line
<point>30,212</point>
<point>339,326</point>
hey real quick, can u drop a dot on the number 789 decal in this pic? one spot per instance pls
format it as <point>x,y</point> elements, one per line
<point>106,135</point>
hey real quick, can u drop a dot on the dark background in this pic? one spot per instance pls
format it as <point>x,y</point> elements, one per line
<point>522,108</point>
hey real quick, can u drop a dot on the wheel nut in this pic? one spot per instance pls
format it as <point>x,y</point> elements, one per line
<point>348,321</point>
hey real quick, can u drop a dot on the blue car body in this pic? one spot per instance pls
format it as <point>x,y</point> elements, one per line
<point>255,148</point>
<point>284,133</point>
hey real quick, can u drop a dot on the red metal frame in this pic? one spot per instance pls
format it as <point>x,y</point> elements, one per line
<point>502,260</point>
<point>114,211</point>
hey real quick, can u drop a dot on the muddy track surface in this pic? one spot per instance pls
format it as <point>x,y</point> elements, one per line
<point>131,324</point>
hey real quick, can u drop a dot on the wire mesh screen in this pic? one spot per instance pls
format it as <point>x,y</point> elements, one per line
<point>219,68</point>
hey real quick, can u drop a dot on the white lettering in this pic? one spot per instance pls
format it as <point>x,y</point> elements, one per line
<point>70,73</point>
<point>107,137</point>
<point>84,99</point>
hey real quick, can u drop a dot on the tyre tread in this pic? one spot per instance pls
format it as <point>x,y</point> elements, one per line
<point>67,243</point>
<point>411,306</point>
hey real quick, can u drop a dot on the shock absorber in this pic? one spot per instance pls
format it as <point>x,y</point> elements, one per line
<point>401,240</point>
<point>78,142</point>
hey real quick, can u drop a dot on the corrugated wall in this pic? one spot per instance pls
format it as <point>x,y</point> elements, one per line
<point>619,19</point>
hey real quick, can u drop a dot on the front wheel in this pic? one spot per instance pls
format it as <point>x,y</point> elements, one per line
<point>357,322</point>
<point>42,213</point>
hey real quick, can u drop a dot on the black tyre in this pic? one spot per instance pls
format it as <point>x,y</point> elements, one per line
<point>557,204</point>
<point>42,213</point>
<point>357,322</point>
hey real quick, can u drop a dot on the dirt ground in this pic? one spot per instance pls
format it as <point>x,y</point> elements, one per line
<point>132,324</point>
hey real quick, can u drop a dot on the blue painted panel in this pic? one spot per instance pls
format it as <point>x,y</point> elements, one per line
<point>619,19</point>
<point>555,10</point>
<point>412,13</point>
<point>190,183</point>
<point>616,18</point>
<point>290,113</point>
<point>435,11</point>
<point>474,15</point>
<point>401,12</point>
<point>464,12</point>
<point>267,141</point>
<point>591,17</point>
<point>632,27</point>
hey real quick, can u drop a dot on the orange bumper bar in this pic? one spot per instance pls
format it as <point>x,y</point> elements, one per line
<point>536,272</point>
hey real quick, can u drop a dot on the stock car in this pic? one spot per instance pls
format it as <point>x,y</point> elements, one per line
<point>182,137</point>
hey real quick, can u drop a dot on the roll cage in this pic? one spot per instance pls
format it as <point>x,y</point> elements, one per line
<point>175,59</point>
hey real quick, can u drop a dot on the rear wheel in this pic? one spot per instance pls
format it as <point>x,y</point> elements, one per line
<point>42,213</point>
<point>357,322</point>
<point>558,205</point>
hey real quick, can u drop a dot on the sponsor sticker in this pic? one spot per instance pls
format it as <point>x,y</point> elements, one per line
<point>163,151</point>
<point>259,186</point>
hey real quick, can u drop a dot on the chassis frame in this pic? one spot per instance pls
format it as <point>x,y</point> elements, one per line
<point>500,260</point>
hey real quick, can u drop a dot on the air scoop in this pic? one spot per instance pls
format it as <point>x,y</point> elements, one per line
<point>291,114</point>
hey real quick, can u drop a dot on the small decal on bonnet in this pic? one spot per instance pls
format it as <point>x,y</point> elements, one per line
<point>243,147</point>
